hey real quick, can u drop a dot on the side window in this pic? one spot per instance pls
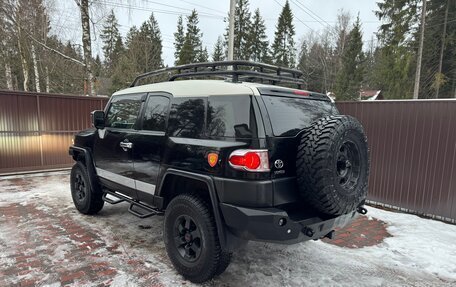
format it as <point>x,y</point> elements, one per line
<point>186,117</point>
<point>155,114</point>
<point>123,111</point>
<point>230,116</point>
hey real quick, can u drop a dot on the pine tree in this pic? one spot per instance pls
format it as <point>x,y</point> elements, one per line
<point>350,76</point>
<point>394,70</point>
<point>155,44</point>
<point>438,71</point>
<point>203,55</point>
<point>142,53</point>
<point>192,44</point>
<point>303,61</point>
<point>258,39</point>
<point>218,54</point>
<point>112,41</point>
<point>242,31</point>
<point>127,67</point>
<point>283,50</point>
<point>179,39</point>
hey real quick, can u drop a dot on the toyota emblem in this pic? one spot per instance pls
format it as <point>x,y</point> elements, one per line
<point>278,163</point>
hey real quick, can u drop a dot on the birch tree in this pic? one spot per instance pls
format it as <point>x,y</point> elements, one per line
<point>87,44</point>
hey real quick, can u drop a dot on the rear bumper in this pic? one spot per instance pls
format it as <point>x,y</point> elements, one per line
<point>262,224</point>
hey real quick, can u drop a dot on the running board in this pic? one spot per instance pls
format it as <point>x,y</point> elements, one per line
<point>121,198</point>
<point>149,211</point>
<point>111,201</point>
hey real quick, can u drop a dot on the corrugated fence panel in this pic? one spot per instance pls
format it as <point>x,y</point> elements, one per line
<point>412,144</point>
<point>413,153</point>
<point>36,128</point>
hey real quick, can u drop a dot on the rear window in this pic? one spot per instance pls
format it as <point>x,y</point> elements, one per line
<point>290,115</point>
<point>186,118</point>
<point>230,116</point>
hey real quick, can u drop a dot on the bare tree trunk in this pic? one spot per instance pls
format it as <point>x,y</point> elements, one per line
<point>47,80</point>
<point>23,60</point>
<point>416,89</point>
<point>87,44</point>
<point>9,78</point>
<point>35,69</point>
<point>442,47</point>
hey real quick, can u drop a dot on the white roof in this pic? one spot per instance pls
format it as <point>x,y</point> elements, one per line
<point>192,88</point>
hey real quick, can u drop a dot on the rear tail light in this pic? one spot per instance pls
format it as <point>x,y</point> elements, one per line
<point>249,160</point>
<point>301,93</point>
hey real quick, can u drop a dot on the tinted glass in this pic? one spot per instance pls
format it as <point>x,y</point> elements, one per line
<point>155,113</point>
<point>229,116</point>
<point>290,115</point>
<point>186,117</point>
<point>123,111</point>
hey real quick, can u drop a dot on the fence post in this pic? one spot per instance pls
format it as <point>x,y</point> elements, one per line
<point>39,129</point>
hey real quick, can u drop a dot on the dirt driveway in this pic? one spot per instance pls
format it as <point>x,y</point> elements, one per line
<point>45,242</point>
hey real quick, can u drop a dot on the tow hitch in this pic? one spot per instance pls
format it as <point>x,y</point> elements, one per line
<point>361,210</point>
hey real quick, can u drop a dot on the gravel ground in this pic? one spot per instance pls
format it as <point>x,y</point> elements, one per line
<point>44,241</point>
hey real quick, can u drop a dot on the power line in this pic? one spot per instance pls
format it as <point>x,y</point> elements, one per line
<point>320,20</point>
<point>202,6</point>
<point>296,17</point>
<point>159,11</point>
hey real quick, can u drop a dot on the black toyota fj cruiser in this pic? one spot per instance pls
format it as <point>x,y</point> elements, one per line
<point>225,161</point>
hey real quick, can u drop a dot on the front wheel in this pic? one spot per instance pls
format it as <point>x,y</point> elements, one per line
<point>191,240</point>
<point>85,199</point>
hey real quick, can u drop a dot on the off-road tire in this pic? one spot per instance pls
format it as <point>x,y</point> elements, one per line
<point>327,178</point>
<point>85,199</point>
<point>204,266</point>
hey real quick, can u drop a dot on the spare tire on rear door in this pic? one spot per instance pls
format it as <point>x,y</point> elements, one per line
<point>332,164</point>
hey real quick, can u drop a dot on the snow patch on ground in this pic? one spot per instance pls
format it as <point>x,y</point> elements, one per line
<point>421,252</point>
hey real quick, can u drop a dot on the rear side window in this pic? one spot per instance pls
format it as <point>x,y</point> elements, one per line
<point>230,116</point>
<point>123,111</point>
<point>186,117</point>
<point>155,113</point>
<point>290,115</point>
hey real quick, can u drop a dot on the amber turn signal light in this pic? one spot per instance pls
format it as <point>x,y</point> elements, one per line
<point>212,159</point>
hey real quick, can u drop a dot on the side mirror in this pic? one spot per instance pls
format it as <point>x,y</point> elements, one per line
<point>98,119</point>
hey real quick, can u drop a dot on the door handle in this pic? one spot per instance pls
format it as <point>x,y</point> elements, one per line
<point>125,145</point>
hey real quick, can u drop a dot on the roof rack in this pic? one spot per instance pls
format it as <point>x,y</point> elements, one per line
<point>238,71</point>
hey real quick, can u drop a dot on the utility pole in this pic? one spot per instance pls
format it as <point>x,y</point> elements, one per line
<point>416,90</point>
<point>231,30</point>
<point>442,48</point>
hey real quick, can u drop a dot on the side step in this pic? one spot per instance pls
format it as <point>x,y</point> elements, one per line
<point>111,201</point>
<point>149,211</point>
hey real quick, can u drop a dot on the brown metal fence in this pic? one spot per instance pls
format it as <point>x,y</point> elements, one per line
<point>412,144</point>
<point>413,153</point>
<point>36,129</point>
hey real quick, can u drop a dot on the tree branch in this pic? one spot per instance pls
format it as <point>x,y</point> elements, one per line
<point>57,52</point>
<point>11,18</point>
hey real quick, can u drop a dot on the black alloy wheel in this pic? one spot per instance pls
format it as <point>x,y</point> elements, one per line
<point>187,238</point>
<point>348,165</point>
<point>191,238</point>
<point>85,198</point>
<point>80,187</point>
